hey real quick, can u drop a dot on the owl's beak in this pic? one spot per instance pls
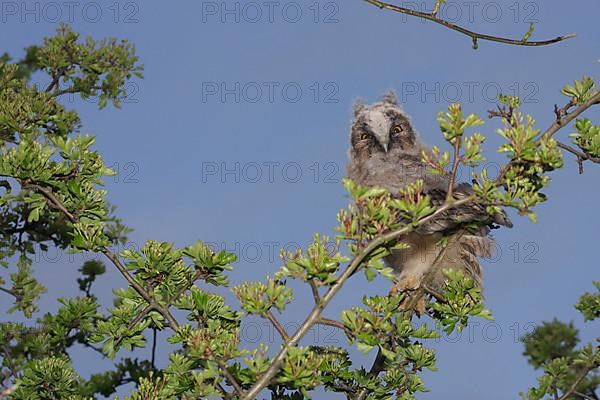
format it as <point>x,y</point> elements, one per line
<point>383,138</point>
<point>385,143</point>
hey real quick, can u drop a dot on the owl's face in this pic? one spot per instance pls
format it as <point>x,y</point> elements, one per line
<point>382,129</point>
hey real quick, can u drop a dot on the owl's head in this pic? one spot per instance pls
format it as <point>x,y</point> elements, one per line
<point>382,129</point>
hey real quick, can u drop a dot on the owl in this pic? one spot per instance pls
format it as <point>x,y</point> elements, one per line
<point>385,151</point>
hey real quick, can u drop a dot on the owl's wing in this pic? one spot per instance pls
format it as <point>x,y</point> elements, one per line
<point>466,227</point>
<point>470,213</point>
<point>470,223</point>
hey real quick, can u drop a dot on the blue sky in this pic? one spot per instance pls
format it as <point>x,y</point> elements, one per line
<point>238,136</point>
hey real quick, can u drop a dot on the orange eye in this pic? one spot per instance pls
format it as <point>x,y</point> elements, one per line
<point>364,136</point>
<point>397,129</point>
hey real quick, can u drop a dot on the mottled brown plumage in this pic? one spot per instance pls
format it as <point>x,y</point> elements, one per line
<point>385,151</point>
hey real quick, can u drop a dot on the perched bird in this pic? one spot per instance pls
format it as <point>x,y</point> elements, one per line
<point>385,151</point>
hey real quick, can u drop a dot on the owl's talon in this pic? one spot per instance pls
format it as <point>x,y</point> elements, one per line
<point>406,287</point>
<point>406,304</point>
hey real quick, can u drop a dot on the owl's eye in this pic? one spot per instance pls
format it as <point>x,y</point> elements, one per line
<point>397,129</point>
<point>364,136</point>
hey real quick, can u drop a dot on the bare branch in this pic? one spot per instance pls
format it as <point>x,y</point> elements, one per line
<point>473,35</point>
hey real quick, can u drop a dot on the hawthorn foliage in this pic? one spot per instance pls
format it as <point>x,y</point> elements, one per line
<point>52,194</point>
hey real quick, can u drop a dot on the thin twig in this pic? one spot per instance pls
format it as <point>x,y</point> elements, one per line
<point>153,347</point>
<point>277,325</point>
<point>315,291</point>
<point>473,35</point>
<point>335,324</point>
<point>585,396</point>
<point>49,195</point>
<point>565,119</point>
<point>314,315</point>
<point>173,324</point>
<point>581,156</point>
<point>55,80</point>
<point>141,315</point>
<point>90,346</point>
<point>230,378</point>
<point>11,292</point>
<point>454,168</point>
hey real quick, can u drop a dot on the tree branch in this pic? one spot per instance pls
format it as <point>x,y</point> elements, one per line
<point>580,377</point>
<point>473,35</point>
<point>53,200</point>
<point>584,396</point>
<point>335,324</point>
<point>455,162</point>
<point>315,314</point>
<point>315,291</point>
<point>581,156</point>
<point>230,378</point>
<point>173,324</point>
<point>563,118</point>
<point>277,326</point>
<point>8,291</point>
<point>560,122</point>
